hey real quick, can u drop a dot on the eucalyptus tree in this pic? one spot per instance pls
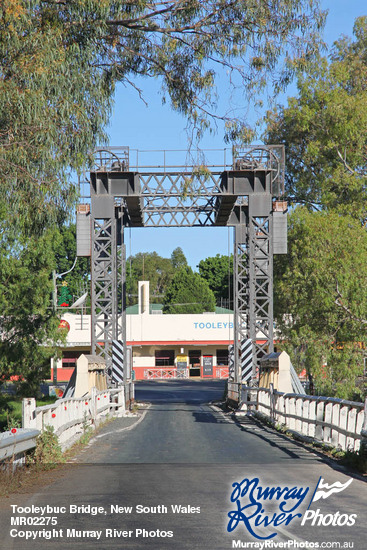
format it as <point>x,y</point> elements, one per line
<point>60,62</point>
<point>320,285</point>
<point>321,299</point>
<point>324,130</point>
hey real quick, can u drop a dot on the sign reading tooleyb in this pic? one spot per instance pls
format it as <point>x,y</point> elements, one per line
<point>218,325</point>
<point>208,326</point>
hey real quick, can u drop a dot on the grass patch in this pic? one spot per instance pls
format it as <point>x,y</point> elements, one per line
<point>89,432</point>
<point>11,410</point>
<point>47,456</point>
<point>356,460</point>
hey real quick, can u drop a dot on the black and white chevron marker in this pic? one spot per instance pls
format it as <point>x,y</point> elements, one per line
<point>117,361</point>
<point>231,363</point>
<point>246,361</point>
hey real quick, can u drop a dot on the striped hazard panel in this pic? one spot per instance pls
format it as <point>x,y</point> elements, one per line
<point>246,360</point>
<point>117,361</point>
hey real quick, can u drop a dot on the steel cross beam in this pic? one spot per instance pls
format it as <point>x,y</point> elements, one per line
<point>184,199</point>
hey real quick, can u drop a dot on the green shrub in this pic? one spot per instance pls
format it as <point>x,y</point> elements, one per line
<point>48,452</point>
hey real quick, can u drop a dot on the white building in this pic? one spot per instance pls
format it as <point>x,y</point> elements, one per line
<point>162,345</point>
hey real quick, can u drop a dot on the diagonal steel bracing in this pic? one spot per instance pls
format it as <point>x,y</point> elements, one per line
<point>107,283</point>
<point>253,280</point>
<point>179,199</point>
<point>261,286</point>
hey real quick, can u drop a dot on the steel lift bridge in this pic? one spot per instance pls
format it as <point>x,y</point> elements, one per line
<point>245,194</point>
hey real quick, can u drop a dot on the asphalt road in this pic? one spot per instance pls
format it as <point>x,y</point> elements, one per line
<point>182,451</point>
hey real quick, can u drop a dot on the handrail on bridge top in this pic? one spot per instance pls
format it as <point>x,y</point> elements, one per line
<point>257,157</point>
<point>249,157</point>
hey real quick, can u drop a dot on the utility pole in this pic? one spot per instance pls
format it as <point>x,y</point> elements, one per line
<point>55,276</point>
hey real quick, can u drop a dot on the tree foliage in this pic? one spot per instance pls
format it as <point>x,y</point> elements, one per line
<point>320,285</point>
<point>78,279</point>
<point>29,328</point>
<point>55,101</point>
<point>321,298</point>
<point>148,266</point>
<point>178,258</point>
<point>188,293</point>
<point>185,42</point>
<point>324,130</point>
<point>218,272</point>
<point>59,62</point>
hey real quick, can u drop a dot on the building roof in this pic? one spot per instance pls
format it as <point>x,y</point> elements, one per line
<point>153,308</point>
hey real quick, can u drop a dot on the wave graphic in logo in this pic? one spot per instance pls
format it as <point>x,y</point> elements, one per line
<point>324,490</point>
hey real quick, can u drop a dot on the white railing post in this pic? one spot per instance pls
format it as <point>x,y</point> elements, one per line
<point>275,405</point>
<point>312,417</point>
<point>319,432</point>
<point>305,415</point>
<point>328,421</point>
<point>29,413</point>
<point>351,428</point>
<point>260,400</point>
<point>363,423</point>
<point>299,413</point>
<point>292,412</point>
<point>335,421</point>
<point>343,422</point>
<point>281,408</point>
<point>93,404</point>
<point>121,403</point>
<point>271,402</point>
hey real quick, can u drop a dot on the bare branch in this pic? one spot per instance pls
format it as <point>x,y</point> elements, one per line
<point>346,165</point>
<point>130,22</point>
<point>339,303</point>
<point>139,90</point>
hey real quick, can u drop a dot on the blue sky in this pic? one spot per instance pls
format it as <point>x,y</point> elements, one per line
<point>158,127</point>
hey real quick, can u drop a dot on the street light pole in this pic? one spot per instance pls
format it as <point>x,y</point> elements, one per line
<point>54,291</point>
<point>55,276</point>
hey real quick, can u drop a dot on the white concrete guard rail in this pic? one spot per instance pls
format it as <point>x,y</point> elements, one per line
<point>234,391</point>
<point>15,442</point>
<point>335,422</point>
<point>70,417</point>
